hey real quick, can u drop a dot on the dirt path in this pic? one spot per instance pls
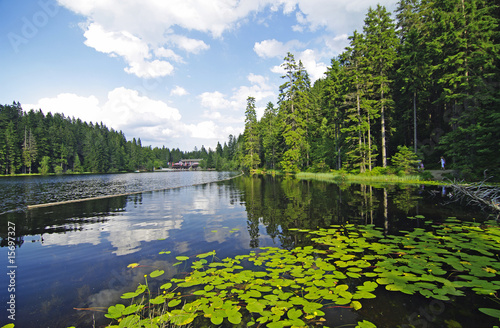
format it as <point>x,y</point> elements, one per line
<point>438,174</point>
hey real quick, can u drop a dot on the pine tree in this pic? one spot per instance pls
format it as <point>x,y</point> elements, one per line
<point>356,126</point>
<point>293,110</point>
<point>381,42</point>
<point>270,131</point>
<point>29,149</point>
<point>411,68</point>
<point>333,96</point>
<point>251,135</point>
<point>469,78</point>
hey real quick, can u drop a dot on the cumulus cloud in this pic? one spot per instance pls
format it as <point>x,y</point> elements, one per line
<point>179,91</point>
<point>315,69</point>
<point>214,100</point>
<point>190,45</point>
<point>124,109</point>
<point>145,69</point>
<point>168,53</point>
<point>137,30</point>
<point>154,121</point>
<point>140,30</point>
<point>259,88</point>
<point>275,49</point>
<point>71,105</point>
<point>135,51</point>
<point>339,16</point>
<point>269,48</point>
<point>229,110</point>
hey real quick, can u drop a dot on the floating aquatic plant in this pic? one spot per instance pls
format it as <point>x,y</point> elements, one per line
<point>276,287</point>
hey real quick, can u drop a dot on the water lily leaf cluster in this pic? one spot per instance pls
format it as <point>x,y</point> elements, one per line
<point>347,264</point>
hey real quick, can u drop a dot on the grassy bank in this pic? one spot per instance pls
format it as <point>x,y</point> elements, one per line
<point>343,177</point>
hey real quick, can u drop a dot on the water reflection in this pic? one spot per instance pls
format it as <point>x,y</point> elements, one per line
<point>76,255</point>
<point>19,192</point>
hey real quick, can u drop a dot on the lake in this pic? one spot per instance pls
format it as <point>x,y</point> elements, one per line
<point>71,260</point>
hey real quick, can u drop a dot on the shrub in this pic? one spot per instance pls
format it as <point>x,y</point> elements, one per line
<point>405,160</point>
<point>425,175</point>
<point>45,165</point>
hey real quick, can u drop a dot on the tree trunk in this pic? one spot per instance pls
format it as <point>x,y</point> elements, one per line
<point>415,120</point>
<point>382,121</point>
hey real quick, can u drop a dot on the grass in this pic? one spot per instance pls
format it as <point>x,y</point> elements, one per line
<point>343,177</point>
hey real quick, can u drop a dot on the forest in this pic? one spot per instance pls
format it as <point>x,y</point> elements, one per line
<point>35,142</point>
<point>425,79</point>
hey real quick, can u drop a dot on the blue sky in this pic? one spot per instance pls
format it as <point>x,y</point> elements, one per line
<point>171,72</point>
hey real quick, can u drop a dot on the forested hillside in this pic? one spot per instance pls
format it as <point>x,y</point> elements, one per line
<point>51,143</point>
<point>428,80</point>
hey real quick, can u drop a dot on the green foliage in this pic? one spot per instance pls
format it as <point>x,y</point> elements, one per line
<point>430,84</point>
<point>26,138</point>
<point>346,265</point>
<point>252,142</point>
<point>405,160</point>
<point>45,165</point>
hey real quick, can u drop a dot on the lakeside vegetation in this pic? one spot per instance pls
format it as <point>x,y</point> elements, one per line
<point>341,176</point>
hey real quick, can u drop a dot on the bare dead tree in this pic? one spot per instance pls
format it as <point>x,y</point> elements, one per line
<point>484,195</point>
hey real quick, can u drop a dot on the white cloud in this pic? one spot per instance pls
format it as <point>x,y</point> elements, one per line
<point>275,49</point>
<point>311,61</point>
<point>140,30</point>
<point>120,43</point>
<point>339,16</point>
<point>128,109</point>
<point>179,91</point>
<point>204,130</point>
<point>144,69</point>
<point>315,69</point>
<point>259,89</point>
<point>154,121</point>
<point>71,105</point>
<point>187,44</point>
<point>214,100</point>
<point>137,116</point>
<point>137,29</point>
<point>130,47</point>
<point>336,44</point>
<point>269,48</point>
<point>168,53</point>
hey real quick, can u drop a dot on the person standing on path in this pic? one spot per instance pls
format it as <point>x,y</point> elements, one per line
<point>442,163</point>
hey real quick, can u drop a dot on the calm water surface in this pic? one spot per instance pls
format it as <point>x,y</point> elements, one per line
<point>74,257</point>
<point>30,190</point>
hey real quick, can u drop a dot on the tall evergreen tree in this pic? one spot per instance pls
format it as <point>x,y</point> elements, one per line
<point>411,69</point>
<point>381,42</point>
<point>251,135</point>
<point>334,93</point>
<point>29,149</point>
<point>357,109</point>
<point>270,131</point>
<point>293,112</point>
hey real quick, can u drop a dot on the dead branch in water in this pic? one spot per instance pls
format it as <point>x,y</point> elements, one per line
<point>481,194</point>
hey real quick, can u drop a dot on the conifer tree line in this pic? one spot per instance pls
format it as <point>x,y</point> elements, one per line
<point>34,142</point>
<point>426,80</point>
